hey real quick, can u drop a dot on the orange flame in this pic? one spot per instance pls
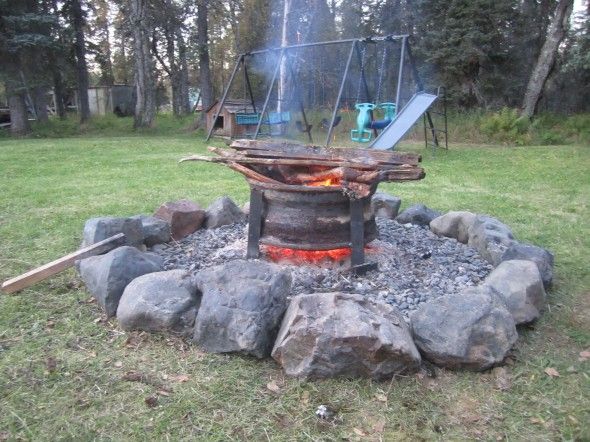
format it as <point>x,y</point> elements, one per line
<point>326,182</point>
<point>296,256</point>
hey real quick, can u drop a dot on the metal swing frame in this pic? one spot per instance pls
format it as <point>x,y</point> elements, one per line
<point>355,47</point>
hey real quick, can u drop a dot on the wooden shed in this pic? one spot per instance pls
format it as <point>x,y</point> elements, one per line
<point>226,124</point>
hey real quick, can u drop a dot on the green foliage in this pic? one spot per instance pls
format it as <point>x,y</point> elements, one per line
<point>505,126</point>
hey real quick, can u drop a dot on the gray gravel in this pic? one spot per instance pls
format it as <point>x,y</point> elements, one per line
<point>415,265</point>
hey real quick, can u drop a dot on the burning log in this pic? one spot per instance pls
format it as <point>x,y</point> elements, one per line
<point>356,171</point>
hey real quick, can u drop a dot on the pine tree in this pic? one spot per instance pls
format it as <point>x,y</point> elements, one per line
<point>25,42</point>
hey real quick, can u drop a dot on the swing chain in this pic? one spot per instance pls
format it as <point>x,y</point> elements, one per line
<point>362,71</point>
<point>381,70</point>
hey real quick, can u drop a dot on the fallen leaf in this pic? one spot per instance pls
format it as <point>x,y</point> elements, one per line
<point>502,378</point>
<point>584,355</point>
<point>573,420</point>
<point>50,364</point>
<point>379,426</point>
<point>550,371</point>
<point>305,397</point>
<point>132,376</point>
<point>118,364</point>
<point>151,401</point>
<point>163,392</point>
<point>179,378</point>
<point>50,324</point>
<point>273,386</point>
<point>359,432</point>
<point>537,420</point>
<point>381,397</point>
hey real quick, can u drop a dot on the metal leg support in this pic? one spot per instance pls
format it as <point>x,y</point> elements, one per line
<point>357,239</point>
<point>254,224</point>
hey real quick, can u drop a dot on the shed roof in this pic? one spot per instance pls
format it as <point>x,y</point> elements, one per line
<point>235,105</point>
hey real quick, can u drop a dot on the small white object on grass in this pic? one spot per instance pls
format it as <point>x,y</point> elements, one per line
<point>323,412</point>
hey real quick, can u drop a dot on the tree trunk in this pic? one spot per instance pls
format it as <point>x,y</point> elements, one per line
<point>546,60</point>
<point>184,103</point>
<point>19,122</point>
<point>40,103</point>
<point>81,67</point>
<point>145,90</point>
<point>203,51</point>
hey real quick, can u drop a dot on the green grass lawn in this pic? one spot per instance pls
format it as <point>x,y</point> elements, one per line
<point>62,368</point>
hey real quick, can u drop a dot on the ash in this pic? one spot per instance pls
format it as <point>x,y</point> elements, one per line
<point>414,264</point>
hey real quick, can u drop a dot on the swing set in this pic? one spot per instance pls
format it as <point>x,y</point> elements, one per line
<point>395,120</point>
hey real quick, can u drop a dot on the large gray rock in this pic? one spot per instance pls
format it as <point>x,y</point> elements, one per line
<point>417,214</point>
<point>490,238</point>
<point>241,307</point>
<point>184,216</point>
<point>223,211</point>
<point>155,230</point>
<point>472,330</point>
<point>519,283</point>
<point>453,225</point>
<point>540,256</point>
<point>161,301</point>
<point>385,205</point>
<point>106,276</point>
<point>97,229</point>
<point>337,334</point>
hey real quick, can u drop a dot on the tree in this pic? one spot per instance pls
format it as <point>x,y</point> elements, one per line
<point>145,88</point>
<point>25,41</point>
<point>547,56</point>
<point>168,18</point>
<point>203,55</point>
<point>102,33</point>
<point>77,17</point>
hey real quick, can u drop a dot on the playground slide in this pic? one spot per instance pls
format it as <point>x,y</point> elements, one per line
<point>404,120</point>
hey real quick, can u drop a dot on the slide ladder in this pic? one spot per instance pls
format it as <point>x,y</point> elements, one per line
<point>403,121</point>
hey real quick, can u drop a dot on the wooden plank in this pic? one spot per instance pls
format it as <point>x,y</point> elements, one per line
<point>59,265</point>
<point>349,153</point>
<point>284,161</point>
<point>246,171</point>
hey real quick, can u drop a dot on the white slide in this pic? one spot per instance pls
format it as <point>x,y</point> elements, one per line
<point>403,121</point>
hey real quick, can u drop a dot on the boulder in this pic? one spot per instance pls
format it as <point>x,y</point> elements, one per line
<point>339,334</point>
<point>161,301</point>
<point>184,217</point>
<point>490,238</point>
<point>106,276</point>
<point>246,208</point>
<point>540,256</point>
<point>155,230</point>
<point>519,283</point>
<point>241,307</point>
<point>223,211</point>
<point>472,330</point>
<point>97,229</point>
<point>417,214</point>
<point>384,205</point>
<point>453,225</point>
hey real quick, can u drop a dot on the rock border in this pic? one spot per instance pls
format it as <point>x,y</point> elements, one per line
<point>472,330</point>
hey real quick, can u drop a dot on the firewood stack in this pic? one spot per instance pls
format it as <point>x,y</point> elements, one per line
<point>355,170</point>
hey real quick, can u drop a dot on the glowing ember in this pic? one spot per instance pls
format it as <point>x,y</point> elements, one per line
<point>326,182</point>
<point>295,256</point>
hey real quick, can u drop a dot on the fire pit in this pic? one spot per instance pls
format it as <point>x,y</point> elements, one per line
<point>313,199</point>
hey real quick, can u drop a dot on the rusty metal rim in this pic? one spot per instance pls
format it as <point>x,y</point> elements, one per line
<point>294,187</point>
<point>305,247</point>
